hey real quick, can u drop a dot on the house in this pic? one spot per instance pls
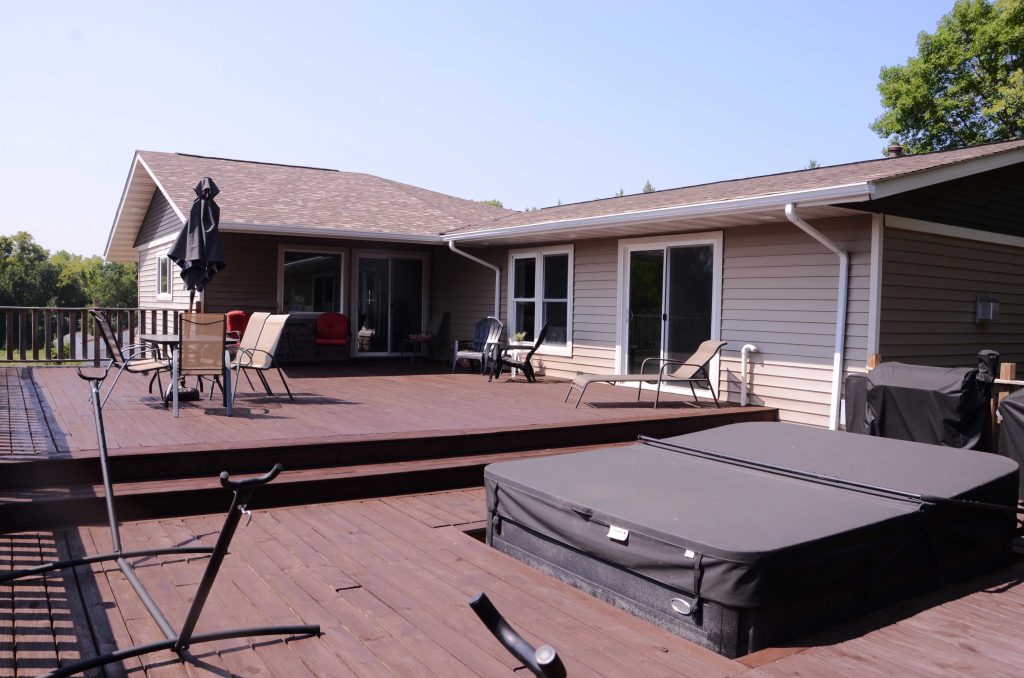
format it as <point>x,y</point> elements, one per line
<point>904,257</point>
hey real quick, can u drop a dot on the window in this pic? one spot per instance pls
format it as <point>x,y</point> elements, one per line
<point>163,277</point>
<point>541,293</point>
<point>311,282</point>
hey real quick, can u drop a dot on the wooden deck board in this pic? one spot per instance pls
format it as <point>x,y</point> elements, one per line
<point>349,403</point>
<point>390,592</point>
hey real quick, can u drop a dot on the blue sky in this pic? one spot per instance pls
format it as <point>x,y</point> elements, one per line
<point>529,102</point>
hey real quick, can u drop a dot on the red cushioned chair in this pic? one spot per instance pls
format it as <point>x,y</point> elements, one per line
<point>332,332</point>
<point>236,323</point>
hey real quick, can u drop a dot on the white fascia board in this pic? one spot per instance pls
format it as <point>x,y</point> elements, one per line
<point>120,207</point>
<point>910,182</point>
<point>320,232</point>
<point>906,224</point>
<point>820,196</point>
<point>137,161</point>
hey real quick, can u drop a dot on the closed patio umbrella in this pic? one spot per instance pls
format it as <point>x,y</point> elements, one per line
<point>197,249</point>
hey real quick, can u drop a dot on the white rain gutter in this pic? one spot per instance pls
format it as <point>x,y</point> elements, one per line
<point>497,275</point>
<point>844,287</point>
<point>744,358</point>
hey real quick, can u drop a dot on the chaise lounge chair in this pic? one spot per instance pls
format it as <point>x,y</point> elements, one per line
<point>694,369</point>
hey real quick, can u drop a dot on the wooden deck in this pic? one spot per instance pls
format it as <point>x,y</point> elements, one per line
<point>388,580</point>
<point>372,399</point>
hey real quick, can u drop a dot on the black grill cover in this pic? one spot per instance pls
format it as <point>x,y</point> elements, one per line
<point>1011,431</point>
<point>938,405</point>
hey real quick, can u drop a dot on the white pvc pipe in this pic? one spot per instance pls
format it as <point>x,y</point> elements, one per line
<point>747,350</point>
<point>844,287</point>
<point>497,275</point>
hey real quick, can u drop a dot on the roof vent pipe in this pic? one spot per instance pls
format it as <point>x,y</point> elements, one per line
<point>497,275</point>
<point>894,151</point>
<point>844,286</point>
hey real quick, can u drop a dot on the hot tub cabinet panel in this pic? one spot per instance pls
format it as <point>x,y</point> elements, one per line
<point>737,558</point>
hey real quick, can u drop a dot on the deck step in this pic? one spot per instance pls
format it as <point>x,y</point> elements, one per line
<point>84,503</point>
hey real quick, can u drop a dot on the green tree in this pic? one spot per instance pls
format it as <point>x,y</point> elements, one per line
<point>27,276</point>
<point>813,164</point>
<point>648,187</point>
<point>495,202</point>
<point>966,84</point>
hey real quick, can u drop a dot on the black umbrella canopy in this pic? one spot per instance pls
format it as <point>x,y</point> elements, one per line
<point>197,249</point>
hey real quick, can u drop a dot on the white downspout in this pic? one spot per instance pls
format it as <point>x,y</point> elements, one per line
<point>497,275</point>
<point>744,358</point>
<point>844,286</point>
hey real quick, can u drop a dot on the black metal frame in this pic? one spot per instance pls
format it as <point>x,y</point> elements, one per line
<point>543,662</point>
<point>179,641</point>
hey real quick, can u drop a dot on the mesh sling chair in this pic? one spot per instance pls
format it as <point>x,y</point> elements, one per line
<point>253,328</point>
<point>261,356</point>
<point>483,344</point>
<point>136,359</point>
<point>525,364</point>
<point>201,353</point>
<point>693,370</point>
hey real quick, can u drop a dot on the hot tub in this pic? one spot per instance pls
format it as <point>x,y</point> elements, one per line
<point>738,558</point>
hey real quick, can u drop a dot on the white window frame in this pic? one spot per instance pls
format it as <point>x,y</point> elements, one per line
<point>164,262</point>
<point>713,238</point>
<point>342,252</point>
<point>538,254</point>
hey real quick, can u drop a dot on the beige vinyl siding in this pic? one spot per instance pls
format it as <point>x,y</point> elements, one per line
<point>779,292</point>
<point>160,221</point>
<point>147,281</point>
<point>465,288</point>
<point>929,286</point>
<point>249,278</point>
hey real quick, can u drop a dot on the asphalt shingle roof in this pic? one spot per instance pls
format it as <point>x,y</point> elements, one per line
<point>786,182</point>
<point>268,194</point>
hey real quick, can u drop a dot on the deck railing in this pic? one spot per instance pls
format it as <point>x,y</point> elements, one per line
<point>48,334</point>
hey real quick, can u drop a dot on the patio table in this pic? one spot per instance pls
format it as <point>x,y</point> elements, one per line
<point>172,343</point>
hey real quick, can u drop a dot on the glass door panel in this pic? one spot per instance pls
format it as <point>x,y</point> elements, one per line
<point>646,286</point>
<point>690,285</point>
<point>406,300</point>
<point>373,302</point>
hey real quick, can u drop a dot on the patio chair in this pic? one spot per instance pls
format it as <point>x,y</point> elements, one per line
<point>202,351</point>
<point>261,356</point>
<point>236,323</point>
<point>332,332</point>
<point>504,358</point>
<point>693,370</point>
<point>415,342</point>
<point>135,359</point>
<point>482,346</point>
<point>253,328</point>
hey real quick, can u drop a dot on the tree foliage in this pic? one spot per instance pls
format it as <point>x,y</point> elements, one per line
<point>31,276</point>
<point>648,187</point>
<point>494,201</point>
<point>966,84</point>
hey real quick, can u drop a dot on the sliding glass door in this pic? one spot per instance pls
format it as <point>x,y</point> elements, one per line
<point>671,298</point>
<point>390,301</point>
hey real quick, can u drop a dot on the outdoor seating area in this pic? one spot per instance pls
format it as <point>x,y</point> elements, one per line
<point>693,370</point>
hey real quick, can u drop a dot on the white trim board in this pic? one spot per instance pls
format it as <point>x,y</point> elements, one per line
<point>892,221</point>
<point>875,281</point>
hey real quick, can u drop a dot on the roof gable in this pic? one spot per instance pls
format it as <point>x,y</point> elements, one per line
<point>287,198</point>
